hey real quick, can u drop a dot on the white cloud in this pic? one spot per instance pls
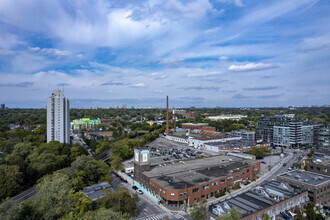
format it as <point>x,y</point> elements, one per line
<point>50,51</point>
<point>137,85</point>
<point>171,60</point>
<point>223,58</point>
<point>158,76</point>
<point>269,12</point>
<point>204,74</point>
<point>252,67</point>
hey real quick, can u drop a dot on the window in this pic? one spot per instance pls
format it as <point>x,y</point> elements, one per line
<point>230,178</point>
<point>203,197</point>
<point>195,190</point>
<point>318,168</point>
<point>206,187</point>
<point>236,176</point>
<point>242,173</point>
<point>181,194</point>
<point>172,194</point>
<point>164,192</point>
<point>185,193</point>
<point>222,181</point>
<point>248,170</point>
<point>215,184</point>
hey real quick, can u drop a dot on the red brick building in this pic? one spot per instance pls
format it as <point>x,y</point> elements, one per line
<point>194,180</point>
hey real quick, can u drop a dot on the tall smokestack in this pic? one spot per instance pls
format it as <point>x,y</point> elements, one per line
<point>174,124</point>
<point>167,122</point>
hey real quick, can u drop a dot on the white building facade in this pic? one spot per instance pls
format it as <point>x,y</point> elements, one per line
<point>58,118</point>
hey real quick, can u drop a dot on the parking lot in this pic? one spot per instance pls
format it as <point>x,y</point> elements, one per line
<point>163,150</point>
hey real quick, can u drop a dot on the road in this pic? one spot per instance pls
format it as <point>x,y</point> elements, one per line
<point>283,169</point>
<point>147,208</point>
<point>82,143</point>
<point>275,170</point>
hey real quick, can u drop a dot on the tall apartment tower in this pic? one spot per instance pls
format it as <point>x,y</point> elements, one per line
<point>58,118</point>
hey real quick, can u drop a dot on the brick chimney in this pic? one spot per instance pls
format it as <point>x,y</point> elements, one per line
<point>167,121</point>
<point>174,124</point>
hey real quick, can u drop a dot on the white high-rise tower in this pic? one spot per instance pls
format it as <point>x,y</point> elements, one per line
<point>58,118</point>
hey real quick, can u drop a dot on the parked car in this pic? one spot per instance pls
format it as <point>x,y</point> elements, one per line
<point>139,191</point>
<point>134,187</point>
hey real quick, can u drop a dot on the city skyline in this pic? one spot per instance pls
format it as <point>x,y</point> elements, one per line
<point>226,53</point>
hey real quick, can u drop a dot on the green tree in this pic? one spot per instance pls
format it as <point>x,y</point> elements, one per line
<point>233,214</point>
<point>76,151</point>
<point>198,211</point>
<point>89,170</point>
<point>265,216</point>
<point>119,200</point>
<point>10,180</point>
<point>52,200</point>
<point>104,214</point>
<point>116,162</point>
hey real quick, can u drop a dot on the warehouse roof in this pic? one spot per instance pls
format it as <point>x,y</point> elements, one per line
<point>306,177</point>
<point>256,199</point>
<point>195,172</point>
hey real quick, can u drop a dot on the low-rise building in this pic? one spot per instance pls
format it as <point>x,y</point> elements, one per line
<point>96,191</point>
<point>98,135</point>
<point>317,185</point>
<point>246,135</point>
<point>200,139</point>
<point>232,145</point>
<point>193,126</point>
<point>191,181</point>
<point>85,123</point>
<point>273,198</point>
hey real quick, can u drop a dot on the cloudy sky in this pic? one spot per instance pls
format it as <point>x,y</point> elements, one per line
<point>199,52</point>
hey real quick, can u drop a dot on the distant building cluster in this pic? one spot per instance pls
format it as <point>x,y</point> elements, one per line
<point>3,106</point>
<point>185,114</point>
<point>287,130</point>
<point>228,117</point>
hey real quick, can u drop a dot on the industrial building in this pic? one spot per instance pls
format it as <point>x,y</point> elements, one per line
<point>201,135</point>
<point>193,126</point>
<point>200,139</point>
<point>273,198</point>
<point>231,145</point>
<point>317,185</point>
<point>58,118</point>
<point>190,181</point>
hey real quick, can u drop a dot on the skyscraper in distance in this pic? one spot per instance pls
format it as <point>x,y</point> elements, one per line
<point>58,118</point>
